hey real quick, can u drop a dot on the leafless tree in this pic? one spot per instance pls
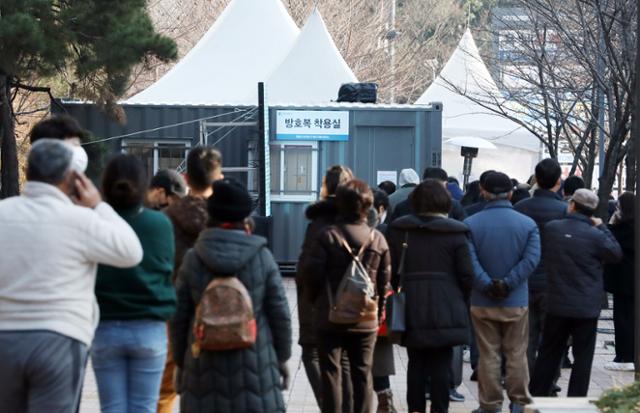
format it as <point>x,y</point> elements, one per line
<point>562,56</point>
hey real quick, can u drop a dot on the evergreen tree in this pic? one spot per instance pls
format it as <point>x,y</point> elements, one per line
<point>97,42</point>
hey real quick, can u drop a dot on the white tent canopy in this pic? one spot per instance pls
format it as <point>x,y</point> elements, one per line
<point>465,74</point>
<point>242,48</point>
<point>313,70</point>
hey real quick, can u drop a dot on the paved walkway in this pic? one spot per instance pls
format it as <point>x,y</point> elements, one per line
<point>299,398</point>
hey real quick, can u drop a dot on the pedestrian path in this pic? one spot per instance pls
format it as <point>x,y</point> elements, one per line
<point>299,398</point>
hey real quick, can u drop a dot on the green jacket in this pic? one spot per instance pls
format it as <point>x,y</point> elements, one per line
<point>144,291</point>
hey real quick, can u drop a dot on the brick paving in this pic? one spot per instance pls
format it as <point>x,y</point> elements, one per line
<point>299,398</point>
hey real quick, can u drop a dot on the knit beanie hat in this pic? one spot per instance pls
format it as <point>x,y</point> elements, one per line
<point>230,201</point>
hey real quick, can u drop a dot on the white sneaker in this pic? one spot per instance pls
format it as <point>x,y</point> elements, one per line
<point>466,356</point>
<point>613,366</point>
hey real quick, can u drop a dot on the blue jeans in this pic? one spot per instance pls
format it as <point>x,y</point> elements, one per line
<point>128,359</point>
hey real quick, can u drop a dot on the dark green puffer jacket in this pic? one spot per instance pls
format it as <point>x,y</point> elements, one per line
<point>244,380</point>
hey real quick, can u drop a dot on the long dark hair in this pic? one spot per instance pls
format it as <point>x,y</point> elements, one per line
<point>124,182</point>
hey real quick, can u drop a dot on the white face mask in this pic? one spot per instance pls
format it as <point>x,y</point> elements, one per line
<point>80,160</point>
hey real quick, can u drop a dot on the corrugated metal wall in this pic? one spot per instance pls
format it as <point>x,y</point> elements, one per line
<point>381,138</point>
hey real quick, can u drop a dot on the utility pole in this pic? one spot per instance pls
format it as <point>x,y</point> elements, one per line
<point>636,147</point>
<point>264,174</point>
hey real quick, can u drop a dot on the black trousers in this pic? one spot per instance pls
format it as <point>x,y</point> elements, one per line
<point>554,341</point>
<point>425,364</point>
<point>623,313</point>
<point>359,349</point>
<point>537,312</point>
<point>311,362</point>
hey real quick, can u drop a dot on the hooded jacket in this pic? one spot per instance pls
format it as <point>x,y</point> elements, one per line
<point>189,218</point>
<point>438,276</point>
<point>244,380</point>
<point>321,214</point>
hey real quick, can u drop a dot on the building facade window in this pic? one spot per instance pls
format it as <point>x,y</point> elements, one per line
<point>159,154</point>
<point>294,172</point>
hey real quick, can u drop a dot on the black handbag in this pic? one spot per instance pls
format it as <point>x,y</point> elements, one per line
<point>396,304</point>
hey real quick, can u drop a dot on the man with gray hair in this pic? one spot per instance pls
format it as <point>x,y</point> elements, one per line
<point>505,250</point>
<point>52,239</point>
<point>577,247</point>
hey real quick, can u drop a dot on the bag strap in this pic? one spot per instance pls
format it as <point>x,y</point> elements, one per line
<point>345,244</point>
<point>405,246</point>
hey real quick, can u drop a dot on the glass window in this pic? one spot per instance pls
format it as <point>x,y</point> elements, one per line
<point>144,152</point>
<point>292,170</point>
<point>171,156</point>
<point>156,155</point>
<point>297,169</point>
<point>275,168</point>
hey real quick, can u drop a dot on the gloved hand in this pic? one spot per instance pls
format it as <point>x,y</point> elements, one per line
<point>284,373</point>
<point>499,290</point>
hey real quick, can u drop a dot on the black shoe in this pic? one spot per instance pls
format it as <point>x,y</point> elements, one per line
<point>454,396</point>
<point>566,363</point>
<point>474,376</point>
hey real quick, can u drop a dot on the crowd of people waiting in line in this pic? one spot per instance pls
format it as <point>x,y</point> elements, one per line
<point>131,276</point>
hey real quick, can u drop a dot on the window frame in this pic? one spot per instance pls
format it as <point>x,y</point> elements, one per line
<point>281,195</point>
<point>155,145</point>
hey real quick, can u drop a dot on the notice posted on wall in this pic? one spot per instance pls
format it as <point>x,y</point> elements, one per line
<point>382,176</point>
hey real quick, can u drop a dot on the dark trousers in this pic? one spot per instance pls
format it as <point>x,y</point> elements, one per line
<point>359,349</point>
<point>554,342</point>
<point>623,312</point>
<point>381,383</point>
<point>41,371</point>
<point>537,312</point>
<point>311,362</point>
<point>432,364</point>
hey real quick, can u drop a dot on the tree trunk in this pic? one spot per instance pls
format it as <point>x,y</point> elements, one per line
<point>9,173</point>
<point>630,164</point>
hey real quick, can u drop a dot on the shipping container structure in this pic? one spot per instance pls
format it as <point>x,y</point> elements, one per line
<point>381,140</point>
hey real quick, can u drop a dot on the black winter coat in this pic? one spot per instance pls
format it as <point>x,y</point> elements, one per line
<point>321,214</point>
<point>543,207</point>
<point>619,278</point>
<point>245,380</point>
<point>327,262</point>
<point>438,277</point>
<point>404,208</point>
<point>575,252</point>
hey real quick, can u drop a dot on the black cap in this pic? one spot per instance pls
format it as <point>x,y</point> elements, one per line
<point>171,181</point>
<point>484,175</point>
<point>497,183</point>
<point>230,201</point>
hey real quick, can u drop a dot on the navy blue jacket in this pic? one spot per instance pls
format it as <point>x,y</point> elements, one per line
<point>505,245</point>
<point>404,208</point>
<point>575,251</point>
<point>543,207</point>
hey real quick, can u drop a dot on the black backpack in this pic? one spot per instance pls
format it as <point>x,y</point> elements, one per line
<point>358,92</point>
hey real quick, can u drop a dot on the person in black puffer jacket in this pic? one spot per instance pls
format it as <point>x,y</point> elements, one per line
<point>438,276</point>
<point>619,280</point>
<point>247,380</point>
<point>321,215</point>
